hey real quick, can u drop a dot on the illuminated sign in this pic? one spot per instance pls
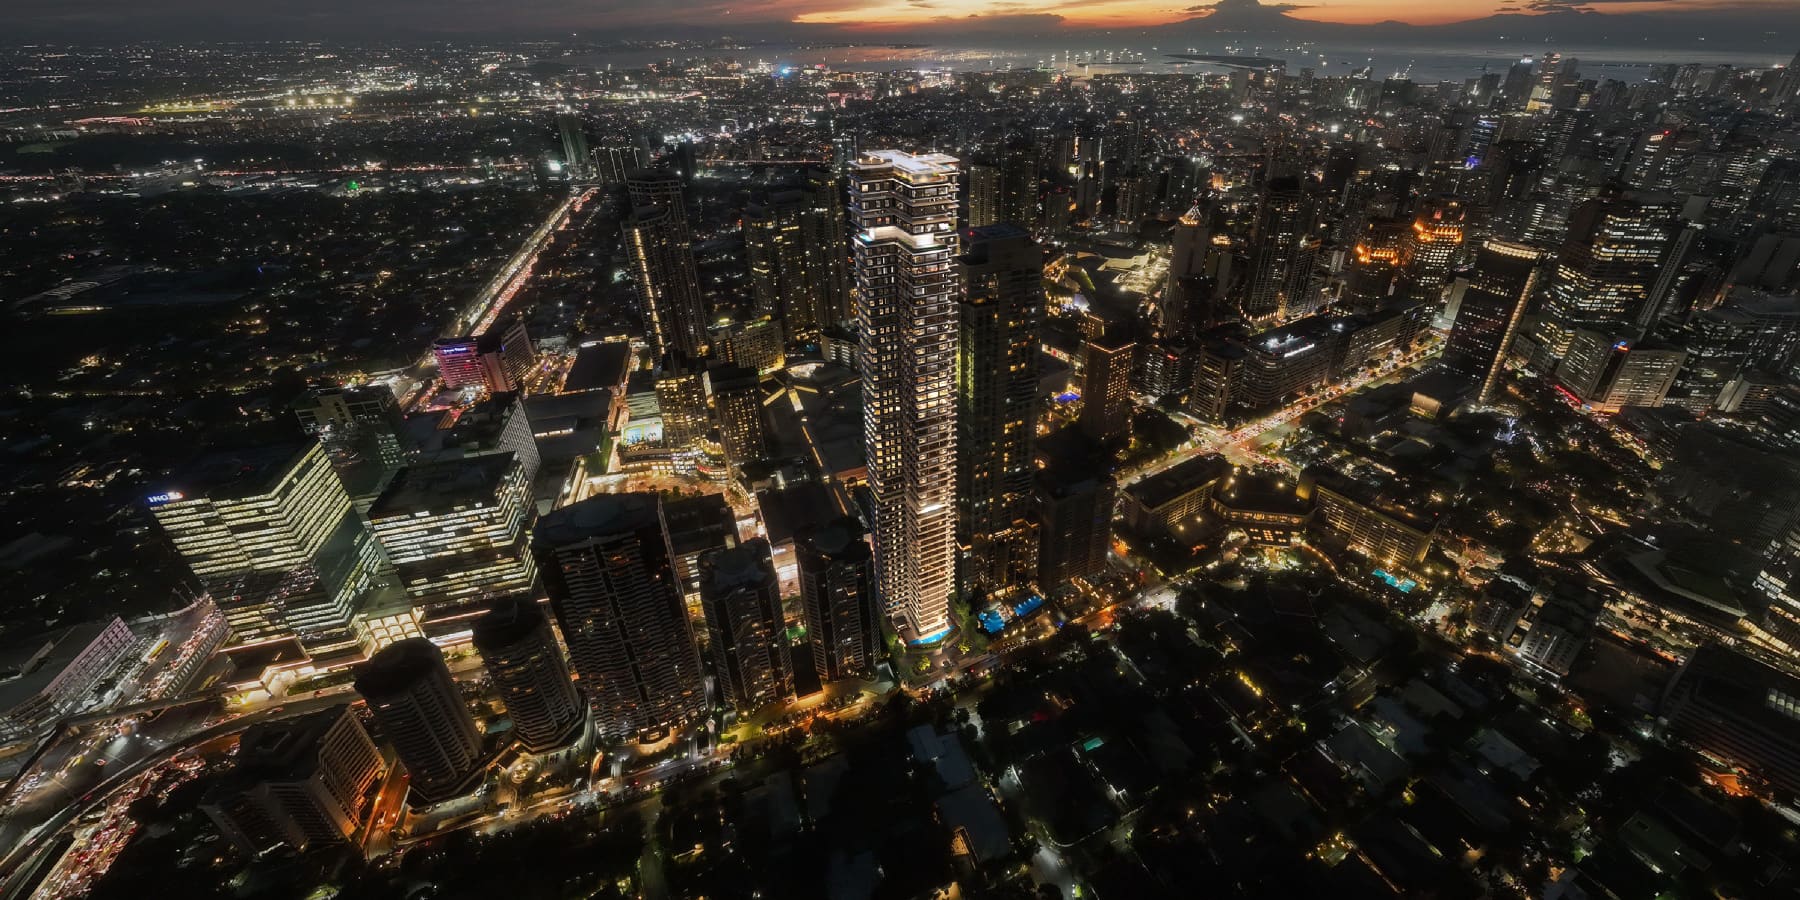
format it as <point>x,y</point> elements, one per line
<point>165,497</point>
<point>1297,351</point>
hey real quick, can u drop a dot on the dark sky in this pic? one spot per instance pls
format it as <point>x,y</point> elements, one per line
<point>1760,23</point>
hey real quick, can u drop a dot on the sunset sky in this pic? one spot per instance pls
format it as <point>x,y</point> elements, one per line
<point>1138,13</point>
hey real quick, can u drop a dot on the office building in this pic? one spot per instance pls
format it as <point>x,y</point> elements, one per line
<point>1608,373</point>
<point>1430,246</point>
<point>1487,319</point>
<point>737,400</point>
<point>497,424</point>
<point>660,246</point>
<point>528,670</point>
<point>271,534</point>
<point>747,634</point>
<point>1740,710</point>
<point>698,525</point>
<point>1106,402</point>
<point>303,782</point>
<point>904,210</point>
<point>1001,272</point>
<point>419,711</point>
<point>1606,269</point>
<point>983,196</point>
<point>456,531</point>
<point>837,593</point>
<point>607,564</point>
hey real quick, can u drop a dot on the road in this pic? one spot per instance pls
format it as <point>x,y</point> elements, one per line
<point>1215,441</point>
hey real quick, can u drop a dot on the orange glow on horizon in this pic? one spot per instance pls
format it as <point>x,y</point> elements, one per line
<point>880,15</point>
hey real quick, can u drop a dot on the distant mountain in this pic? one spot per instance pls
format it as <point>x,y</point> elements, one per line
<point>1775,28</point>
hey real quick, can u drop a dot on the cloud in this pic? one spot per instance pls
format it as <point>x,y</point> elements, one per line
<point>1245,7</point>
<point>1575,6</point>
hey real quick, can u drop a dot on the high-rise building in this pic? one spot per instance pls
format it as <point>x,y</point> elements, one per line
<point>1429,247</point>
<point>747,634</point>
<point>837,592</point>
<point>1282,258</point>
<point>904,210</point>
<point>1001,271</point>
<point>608,567</point>
<point>419,711</point>
<point>302,782</point>
<point>576,159</point>
<point>681,396</point>
<point>1189,242</point>
<point>271,534</point>
<point>794,244</point>
<point>497,424</point>
<point>756,344</point>
<point>456,531</point>
<point>660,245</point>
<point>498,359</point>
<point>1106,405</point>
<point>737,399</point>
<point>1606,269</point>
<point>1504,278</point>
<point>522,659</point>
<point>985,185</point>
<point>1074,507</point>
<point>1608,372</point>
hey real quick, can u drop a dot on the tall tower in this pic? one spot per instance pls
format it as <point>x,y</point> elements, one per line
<point>1001,271</point>
<point>1505,276</point>
<point>662,259</point>
<point>1428,249</point>
<point>904,210</point>
<point>1106,389</point>
<point>521,657</point>
<point>1188,244</point>
<point>575,147</point>
<point>747,633</point>
<point>271,533</point>
<point>837,592</point>
<point>1284,249</point>
<point>1607,267</point>
<point>681,394</point>
<point>416,705</point>
<point>985,185</point>
<point>609,569</point>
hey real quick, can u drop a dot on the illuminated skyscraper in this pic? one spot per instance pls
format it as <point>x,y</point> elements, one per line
<point>573,132</point>
<point>904,210</point>
<point>747,633</point>
<point>1001,271</point>
<point>1282,256</point>
<point>301,781</point>
<point>456,530</point>
<point>737,399</point>
<point>1502,284</point>
<point>609,569</point>
<point>794,244</point>
<point>681,394</point>
<point>837,592</point>
<point>660,245</point>
<point>419,711</point>
<point>1429,247</point>
<point>522,659</point>
<point>271,535</point>
<point>1606,269</point>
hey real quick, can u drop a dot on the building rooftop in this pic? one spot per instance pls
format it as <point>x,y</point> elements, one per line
<point>1182,479</point>
<point>29,665</point>
<point>231,475</point>
<point>398,666</point>
<point>597,366</point>
<point>287,749</point>
<point>438,487</point>
<point>598,516</point>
